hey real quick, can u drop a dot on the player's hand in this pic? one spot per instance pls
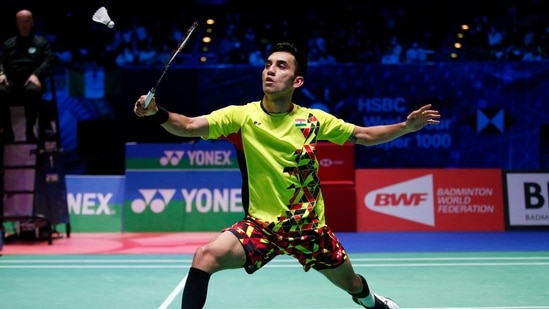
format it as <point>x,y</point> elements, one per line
<point>422,117</point>
<point>141,111</point>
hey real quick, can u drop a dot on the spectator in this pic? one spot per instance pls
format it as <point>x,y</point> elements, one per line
<point>127,56</point>
<point>229,46</point>
<point>318,50</point>
<point>393,52</point>
<point>415,54</point>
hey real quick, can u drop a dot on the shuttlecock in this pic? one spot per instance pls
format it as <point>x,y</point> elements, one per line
<point>102,16</point>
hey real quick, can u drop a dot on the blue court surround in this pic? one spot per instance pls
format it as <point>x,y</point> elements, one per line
<point>378,242</point>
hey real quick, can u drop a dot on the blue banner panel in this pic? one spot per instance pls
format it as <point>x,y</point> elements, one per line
<point>201,155</point>
<point>181,187</point>
<point>95,203</point>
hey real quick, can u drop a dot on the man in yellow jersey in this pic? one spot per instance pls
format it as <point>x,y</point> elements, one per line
<point>284,210</point>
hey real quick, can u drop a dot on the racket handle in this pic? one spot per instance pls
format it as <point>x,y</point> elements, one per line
<point>149,97</point>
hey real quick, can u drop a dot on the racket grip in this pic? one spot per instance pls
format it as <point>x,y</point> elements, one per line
<point>149,97</point>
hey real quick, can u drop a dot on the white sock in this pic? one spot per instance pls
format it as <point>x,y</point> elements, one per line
<point>368,301</point>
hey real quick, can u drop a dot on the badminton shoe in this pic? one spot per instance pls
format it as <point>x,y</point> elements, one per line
<point>381,303</point>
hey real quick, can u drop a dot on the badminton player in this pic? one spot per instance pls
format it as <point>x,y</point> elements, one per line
<point>281,195</point>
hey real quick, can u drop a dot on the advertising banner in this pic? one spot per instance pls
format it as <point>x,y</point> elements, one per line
<point>429,200</point>
<point>337,163</point>
<point>95,203</point>
<point>527,199</point>
<point>181,187</point>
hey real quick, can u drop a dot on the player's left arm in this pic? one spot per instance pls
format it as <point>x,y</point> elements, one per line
<point>379,134</point>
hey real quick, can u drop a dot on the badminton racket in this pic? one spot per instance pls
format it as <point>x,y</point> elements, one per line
<point>176,51</point>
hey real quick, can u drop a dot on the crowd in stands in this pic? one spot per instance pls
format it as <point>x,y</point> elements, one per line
<point>513,34</point>
<point>345,31</point>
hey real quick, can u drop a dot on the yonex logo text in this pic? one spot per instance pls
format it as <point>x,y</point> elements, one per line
<point>203,199</point>
<point>90,203</point>
<point>197,157</point>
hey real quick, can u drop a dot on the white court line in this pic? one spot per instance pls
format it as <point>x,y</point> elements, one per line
<point>506,307</point>
<point>156,261</point>
<point>280,259</point>
<point>94,266</point>
<point>284,258</point>
<point>355,307</point>
<point>175,292</point>
<point>431,264</point>
<point>267,266</point>
<point>281,262</point>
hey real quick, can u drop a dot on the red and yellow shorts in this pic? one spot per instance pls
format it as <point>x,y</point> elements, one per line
<point>318,248</point>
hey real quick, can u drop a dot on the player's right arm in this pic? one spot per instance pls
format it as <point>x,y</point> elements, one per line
<point>176,124</point>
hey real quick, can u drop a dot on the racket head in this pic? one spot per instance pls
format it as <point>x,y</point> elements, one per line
<point>182,42</point>
<point>176,51</point>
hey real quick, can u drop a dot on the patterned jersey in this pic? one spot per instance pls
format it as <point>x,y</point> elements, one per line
<point>276,154</point>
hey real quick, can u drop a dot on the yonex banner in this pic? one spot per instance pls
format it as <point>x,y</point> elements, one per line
<point>95,203</point>
<point>181,187</point>
<point>429,200</point>
<point>202,155</point>
<point>527,199</point>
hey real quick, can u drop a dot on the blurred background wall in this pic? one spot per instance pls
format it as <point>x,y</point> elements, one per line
<point>483,64</point>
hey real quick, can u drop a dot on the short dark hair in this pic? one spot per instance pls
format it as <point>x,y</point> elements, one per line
<point>301,61</point>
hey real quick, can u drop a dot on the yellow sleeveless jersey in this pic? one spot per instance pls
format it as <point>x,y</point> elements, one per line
<point>276,154</point>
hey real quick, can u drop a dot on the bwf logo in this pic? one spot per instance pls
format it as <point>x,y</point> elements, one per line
<point>155,199</point>
<point>410,200</point>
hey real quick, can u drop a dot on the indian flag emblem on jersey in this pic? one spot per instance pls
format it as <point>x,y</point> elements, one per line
<point>300,123</point>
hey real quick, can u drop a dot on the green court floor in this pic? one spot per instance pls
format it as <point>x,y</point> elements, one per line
<point>464,280</point>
